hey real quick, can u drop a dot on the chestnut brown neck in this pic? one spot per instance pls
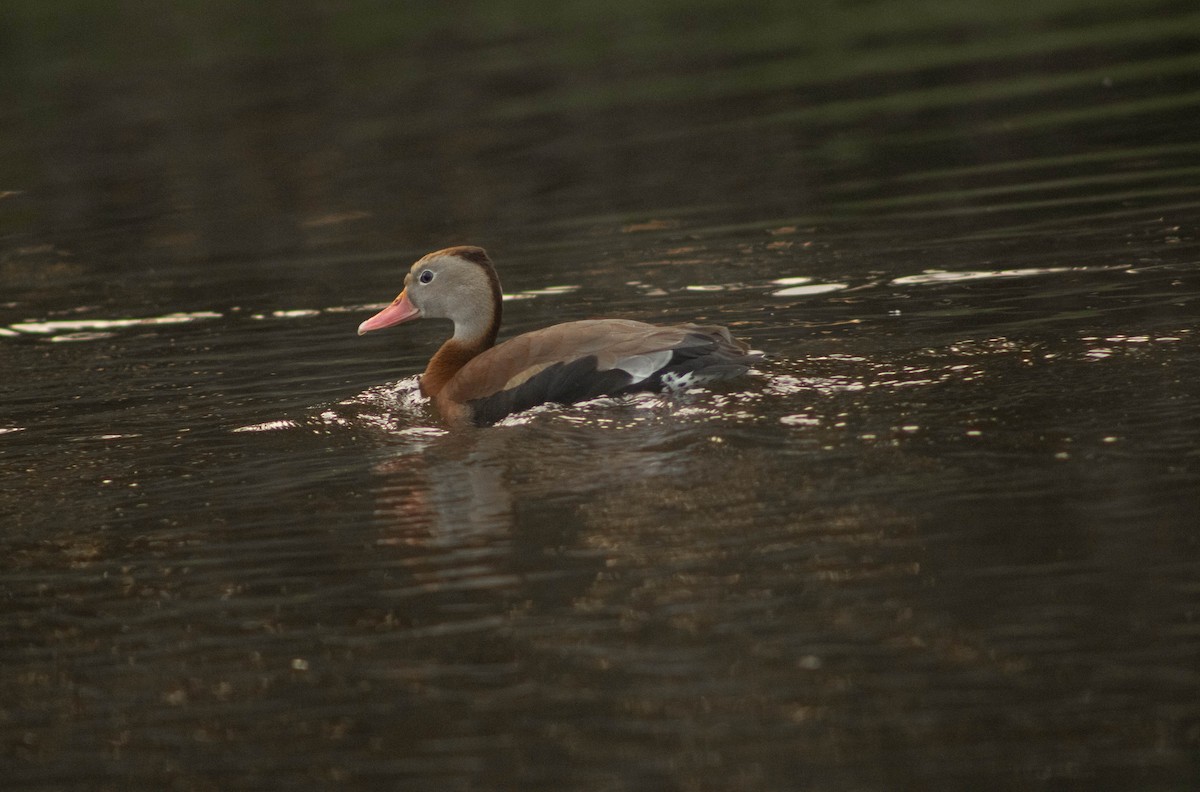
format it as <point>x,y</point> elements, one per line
<point>454,354</point>
<point>446,363</point>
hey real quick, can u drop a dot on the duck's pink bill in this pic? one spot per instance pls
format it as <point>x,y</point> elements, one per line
<point>401,310</point>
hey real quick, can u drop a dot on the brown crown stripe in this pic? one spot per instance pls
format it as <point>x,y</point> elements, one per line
<point>473,254</point>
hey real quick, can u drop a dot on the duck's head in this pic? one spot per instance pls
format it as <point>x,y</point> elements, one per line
<point>458,284</point>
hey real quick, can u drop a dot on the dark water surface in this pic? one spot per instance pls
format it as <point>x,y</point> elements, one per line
<point>945,537</point>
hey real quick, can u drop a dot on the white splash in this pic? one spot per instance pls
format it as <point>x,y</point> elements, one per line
<point>269,426</point>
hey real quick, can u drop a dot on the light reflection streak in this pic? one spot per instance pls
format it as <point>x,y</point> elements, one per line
<point>93,329</point>
<point>71,325</point>
<point>944,276</point>
<point>811,289</point>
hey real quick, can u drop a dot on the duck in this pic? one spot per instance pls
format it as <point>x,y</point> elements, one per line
<point>473,380</point>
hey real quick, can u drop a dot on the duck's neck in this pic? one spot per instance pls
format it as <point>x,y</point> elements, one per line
<point>471,337</point>
<point>442,367</point>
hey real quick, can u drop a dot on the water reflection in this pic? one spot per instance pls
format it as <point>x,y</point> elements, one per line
<point>669,603</point>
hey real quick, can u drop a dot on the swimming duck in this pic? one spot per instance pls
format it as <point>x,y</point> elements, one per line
<point>472,380</point>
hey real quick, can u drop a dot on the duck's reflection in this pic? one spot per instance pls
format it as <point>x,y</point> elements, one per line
<point>449,494</point>
<point>678,579</point>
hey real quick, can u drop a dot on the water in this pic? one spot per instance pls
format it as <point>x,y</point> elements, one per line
<point>944,537</point>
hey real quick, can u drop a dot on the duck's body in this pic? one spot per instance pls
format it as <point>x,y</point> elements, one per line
<point>471,381</point>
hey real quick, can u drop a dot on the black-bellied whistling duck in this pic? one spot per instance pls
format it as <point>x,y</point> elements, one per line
<point>471,381</point>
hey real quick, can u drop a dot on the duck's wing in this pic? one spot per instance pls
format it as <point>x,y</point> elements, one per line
<point>576,361</point>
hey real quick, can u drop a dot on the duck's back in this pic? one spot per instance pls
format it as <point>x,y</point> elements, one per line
<point>576,361</point>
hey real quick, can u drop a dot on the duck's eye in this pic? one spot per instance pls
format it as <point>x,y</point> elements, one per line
<point>426,276</point>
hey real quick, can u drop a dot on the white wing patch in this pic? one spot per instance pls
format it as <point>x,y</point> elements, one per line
<point>639,367</point>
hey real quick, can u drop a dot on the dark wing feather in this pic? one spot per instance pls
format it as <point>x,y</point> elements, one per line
<point>561,383</point>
